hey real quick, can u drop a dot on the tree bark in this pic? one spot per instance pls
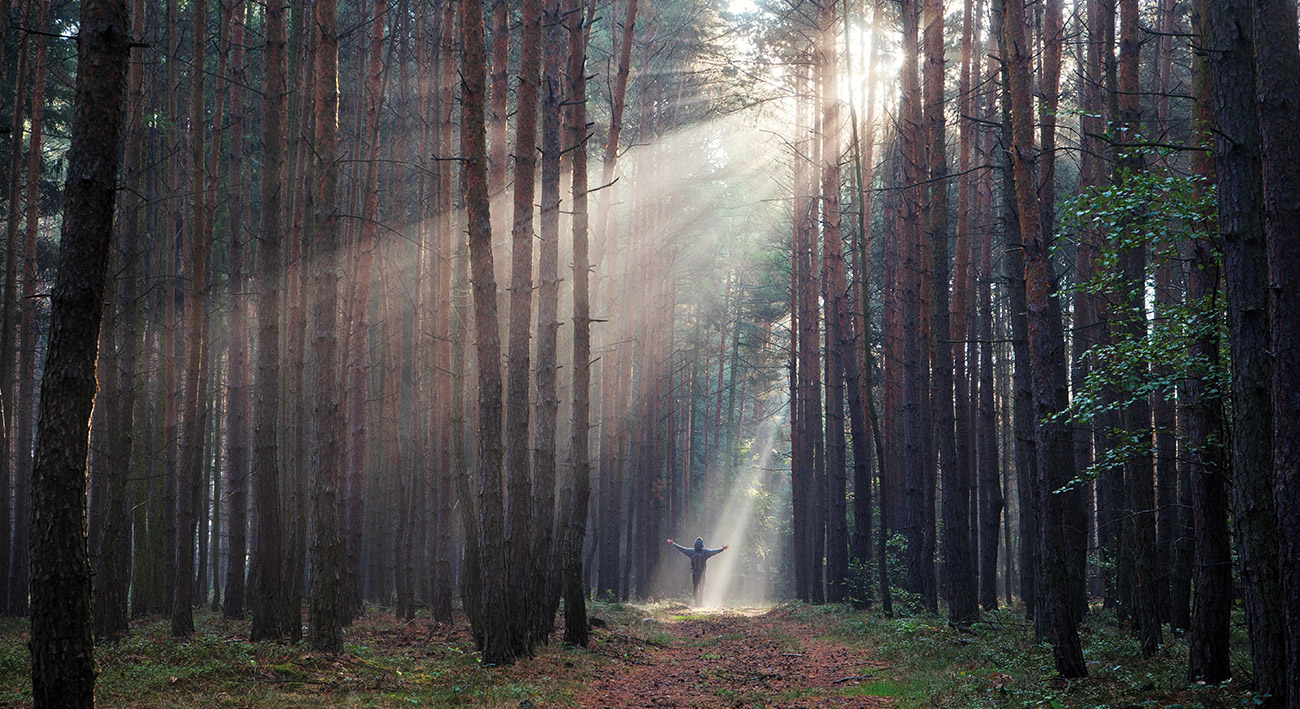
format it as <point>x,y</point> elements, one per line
<point>497,645</point>
<point>1091,175</point>
<point>1056,610</point>
<point>545,548</point>
<point>265,573</point>
<point>520,530</point>
<point>964,352</point>
<point>442,599</point>
<point>836,307</point>
<point>612,376</point>
<point>576,630</point>
<point>865,175</point>
<point>8,326</point>
<point>1026,444</point>
<point>172,352</point>
<point>196,316</point>
<point>1238,174</point>
<point>19,578</point>
<point>325,631</point>
<point>113,569</point>
<point>1138,469</point>
<point>359,329</point>
<point>1277,89</point>
<point>11,590</point>
<point>1208,630</point>
<point>238,409</point>
<point>963,607</point>
<point>62,645</point>
<point>916,405</point>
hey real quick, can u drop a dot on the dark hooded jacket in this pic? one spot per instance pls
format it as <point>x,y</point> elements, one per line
<point>698,555</point>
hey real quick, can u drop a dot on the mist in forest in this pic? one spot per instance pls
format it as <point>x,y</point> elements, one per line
<point>746,573</point>
<point>457,309</point>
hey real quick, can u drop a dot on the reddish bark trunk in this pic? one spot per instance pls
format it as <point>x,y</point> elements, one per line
<point>1056,611</point>
<point>523,561</point>
<point>264,600</point>
<point>325,630</point>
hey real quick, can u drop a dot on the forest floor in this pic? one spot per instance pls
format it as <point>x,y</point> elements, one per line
<point>743,657</point>
<point>645,655</point>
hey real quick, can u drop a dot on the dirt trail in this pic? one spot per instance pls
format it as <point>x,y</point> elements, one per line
<point>734,658</point>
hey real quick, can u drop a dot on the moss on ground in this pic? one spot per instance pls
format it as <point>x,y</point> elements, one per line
<point>916,660</point>
<point>998,664</point>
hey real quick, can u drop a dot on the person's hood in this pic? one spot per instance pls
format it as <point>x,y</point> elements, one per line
<point>699,543</point>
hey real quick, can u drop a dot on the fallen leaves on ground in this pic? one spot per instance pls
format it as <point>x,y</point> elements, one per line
<point>731,658</point>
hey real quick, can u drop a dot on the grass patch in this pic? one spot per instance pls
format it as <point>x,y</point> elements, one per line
<point>388,663</point>
<point>878,688</point>
<point>915,659</point>
<point>782,639</point>
<point>1000,665</point>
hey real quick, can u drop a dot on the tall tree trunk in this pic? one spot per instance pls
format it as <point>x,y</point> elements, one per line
<point>237,433</point>
<point>917,401</point>
<point>1207,639</point>
<point>1278,94</point>
<point>1238,170</point>
<point>611,374</point>
<point>113,569</point>
<point>1138,468</point>
<point>27,371</point>
<point>62,645</point>
<point>833,295</point>
<point>991,499</point>
<point>864,169</point>
<point>548,324</point>
<point>11,590</point>
<point>520,530</point>
<point>963,607</point>
<point>472,569</point>
<point>497,646</point>
<point>442,600</point>
<point>808,551</point>
<point>8,326</point>
<point>325,631</point>
<point>296,424</point>
<point>172,353</point>
<point>1053,39</point>
<point>965,368</point>
<point>359,329</point>
<point>800,464</point>
<point>195,334</point>
<point>1172,588</point>
<point>1091,175</point>
<point>264,600</point>
<point>1277,91</point>
<point>1056,610</point>
<point>576,631</point>
<point>1026,455</point>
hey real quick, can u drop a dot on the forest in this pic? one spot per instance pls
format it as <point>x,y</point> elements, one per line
<point>366,352</point>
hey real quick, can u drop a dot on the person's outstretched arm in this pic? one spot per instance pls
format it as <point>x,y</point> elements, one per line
<point>714,552</point>
<point>685,550</point>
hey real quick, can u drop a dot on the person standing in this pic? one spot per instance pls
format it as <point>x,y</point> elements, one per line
<point>699,557</point>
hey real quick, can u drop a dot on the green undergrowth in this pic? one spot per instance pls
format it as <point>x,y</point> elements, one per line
<point>997,663</point>
<point>386,663</point>
<point>916,660</point>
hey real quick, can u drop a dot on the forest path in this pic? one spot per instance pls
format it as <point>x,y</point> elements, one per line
<point>756,657</point>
